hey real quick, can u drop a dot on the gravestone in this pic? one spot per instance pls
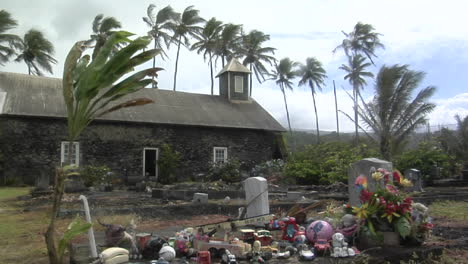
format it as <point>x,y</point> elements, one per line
<point>365,167</point>
<point>200,198</point>
<point>42,181</point>
<point>414,176</point>
<point>256,195</point>
<point>293,196</point>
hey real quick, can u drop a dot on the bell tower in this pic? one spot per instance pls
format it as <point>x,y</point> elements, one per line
<point>234,82</point>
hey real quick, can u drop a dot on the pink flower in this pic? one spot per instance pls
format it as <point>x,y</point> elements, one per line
<point>391,188</point>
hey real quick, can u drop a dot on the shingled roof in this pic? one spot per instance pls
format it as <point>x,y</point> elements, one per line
<point>26,95</point>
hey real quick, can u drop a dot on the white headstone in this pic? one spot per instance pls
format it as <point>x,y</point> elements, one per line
<point>200,198</point>
<point>365,167</point>
<point>256,195</point>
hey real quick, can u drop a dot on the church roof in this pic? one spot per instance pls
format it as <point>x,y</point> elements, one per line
<point>234,66</point>
<point>26,95</point>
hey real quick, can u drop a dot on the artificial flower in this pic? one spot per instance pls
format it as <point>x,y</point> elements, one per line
<point>377,176</point>
<point>390,212</point>
<point>406,183</point>
<point>361,182</point>
<point>397,177</point>
<point>391,188</point>
<point>361,212</point>
<point>365,196</point>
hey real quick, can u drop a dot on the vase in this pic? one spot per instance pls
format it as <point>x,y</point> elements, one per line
<point>391,239</point>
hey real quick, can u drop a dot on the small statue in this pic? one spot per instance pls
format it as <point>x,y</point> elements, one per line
<point>340,247</point>
<point>348,227</point>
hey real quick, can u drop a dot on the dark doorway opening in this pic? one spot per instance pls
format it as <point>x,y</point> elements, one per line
<point>150,159</point>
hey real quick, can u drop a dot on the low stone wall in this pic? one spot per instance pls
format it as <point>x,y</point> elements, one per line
<point>187,195</point>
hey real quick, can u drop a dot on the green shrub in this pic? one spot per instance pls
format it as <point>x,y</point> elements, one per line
<point>95,175</point>
<point>428,155</point>
<point>325,163</point>
<point>168,162</point>
<point>228,171</point>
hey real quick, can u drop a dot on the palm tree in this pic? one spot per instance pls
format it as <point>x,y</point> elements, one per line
<point>103,27</point>
<point>184,28</point>
<point>256,55</point>
<point>393,114</point>
<point>283,74</point>
<point>362,40</point>
<point>7,23</point>
<point>207,43</point>
<point>228,42</point>
<point>161,25</point>
<point>355,75</point>
<point>462,140</point>
<point>36,52</point>
<point>88,97</point>
<point>313,75</point>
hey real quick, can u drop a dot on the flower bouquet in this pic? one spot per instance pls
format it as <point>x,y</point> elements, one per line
<point>388,210</point>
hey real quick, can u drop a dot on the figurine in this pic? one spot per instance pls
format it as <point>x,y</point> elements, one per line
<point>322,246</point>
<point>340,247</point>
<point>305,253</point>
<point>289,230</point>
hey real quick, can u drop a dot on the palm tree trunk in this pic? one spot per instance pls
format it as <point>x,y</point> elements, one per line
<point>316,117</point>
<point>355,94</point>
<point>29,69</point>
<point>153,84</point>
<point>251,79</point>
<point>287,111</point>
<point>211,71</point>
<point>176,64</point>
<point>336,110</point>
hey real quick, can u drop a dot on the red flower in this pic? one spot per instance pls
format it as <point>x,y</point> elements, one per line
<point>396,176</point>
<point>390,208</point>
<point>406,205</point>
<point>392,189</point>
<point>365,195</point>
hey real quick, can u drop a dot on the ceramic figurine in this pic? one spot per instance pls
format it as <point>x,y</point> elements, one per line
<point>289,230</point>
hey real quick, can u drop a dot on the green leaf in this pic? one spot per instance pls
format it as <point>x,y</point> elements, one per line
<point>76,227</point>
<point>403,227</point>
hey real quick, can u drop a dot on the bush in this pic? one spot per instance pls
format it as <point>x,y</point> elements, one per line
<point>425,158</point>
<point>227,171</point>
<point>272,170</point>
<point>95,175</point>
<point>168,163</point>
<point>325,163</point>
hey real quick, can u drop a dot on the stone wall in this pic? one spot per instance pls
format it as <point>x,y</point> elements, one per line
<point>30,145</point>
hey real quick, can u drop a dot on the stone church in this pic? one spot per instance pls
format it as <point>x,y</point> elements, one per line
<point>204,129</point>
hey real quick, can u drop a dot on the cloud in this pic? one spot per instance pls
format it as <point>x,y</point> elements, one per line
<point>447,108</point>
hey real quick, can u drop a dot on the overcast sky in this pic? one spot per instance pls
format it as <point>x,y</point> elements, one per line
<point>430,36</point>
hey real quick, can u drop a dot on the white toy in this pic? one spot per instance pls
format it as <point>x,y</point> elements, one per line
<point>340,247</point>
<point>167,253</point>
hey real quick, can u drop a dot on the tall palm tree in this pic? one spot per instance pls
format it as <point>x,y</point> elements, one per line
<point>36,51</point>
<point>393,114</point>
<point>228,42</point>
<point>283,74</point>
<point>186,27</point>
<point>255,55</point>
<point>206,43</point>
<point>356,74</point>
<point>103,27</point>
<point>13,41</point>
<point>362,40</point>
<point>313,75</point>
<point>161,24</point>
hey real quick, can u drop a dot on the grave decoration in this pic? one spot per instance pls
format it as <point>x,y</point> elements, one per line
<point>388,214</point>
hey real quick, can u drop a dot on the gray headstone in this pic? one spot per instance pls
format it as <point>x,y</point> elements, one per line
<point>256,195</point>
<point>414,176</point>
<point>293,196</point>
<point>42,180</point>
<point>74,184</point>
<point>365,167</point>
<point>200,198</point>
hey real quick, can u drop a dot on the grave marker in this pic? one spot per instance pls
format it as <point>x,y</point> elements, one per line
<point>256,195</point>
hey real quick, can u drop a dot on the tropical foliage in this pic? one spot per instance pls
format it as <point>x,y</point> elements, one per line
<point>168,163</point>
<point>228,42</point>
<point>103,28</point>
<point>37,52</point>
<point>8,42</point>
<point>255,55</point>
<point>313,75</point>
<point>206,43</point>
<point>283,74</point>
<point>185,27</point>
<point>91,88</point>
<point>325,163</point>
<point>393,114</point>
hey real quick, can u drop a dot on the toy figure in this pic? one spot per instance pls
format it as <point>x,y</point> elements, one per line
<point>340,247</point>
<point>322,246</point>
<point>349,227</point>
<point>289,230</point>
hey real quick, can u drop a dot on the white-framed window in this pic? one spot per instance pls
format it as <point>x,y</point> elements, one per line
<point>239,84</point>
<point>65,151</point>
<point>219,154</point>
